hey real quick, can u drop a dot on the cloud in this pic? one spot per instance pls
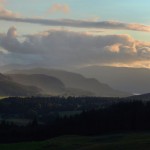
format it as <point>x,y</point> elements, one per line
<point>135,64</point>
<point>9,41</point>
<point>7,13</point>
<point>66,48</point>
<point>138,27</point>
<point>62,8</point>
<point>3,51</point>
<point>114,48</point>
<point>116,25</point>
<point>4,12</point>
<point>12,32</point>
<point>2,2</point>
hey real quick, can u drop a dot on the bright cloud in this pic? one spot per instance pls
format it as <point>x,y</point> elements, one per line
<point>135,64</point>
<point>62,8</point>
<point>139,27</point>
<point>7,13</point>
<point>114,48</point>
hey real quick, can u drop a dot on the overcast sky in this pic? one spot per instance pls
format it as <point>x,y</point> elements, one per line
<point>75,33</point>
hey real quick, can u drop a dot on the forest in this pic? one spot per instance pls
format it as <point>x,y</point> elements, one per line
<point>48,117</point>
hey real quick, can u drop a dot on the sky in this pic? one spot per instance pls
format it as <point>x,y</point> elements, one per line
<point>75,33</point>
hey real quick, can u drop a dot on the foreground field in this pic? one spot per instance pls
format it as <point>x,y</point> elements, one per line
<point>112,142</point>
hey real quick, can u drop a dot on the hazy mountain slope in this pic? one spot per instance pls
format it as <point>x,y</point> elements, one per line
<point>6,68</point>
<point>49,85</point>
<point>9,88</point>
<point>133,80</point>
<point>77,81</point>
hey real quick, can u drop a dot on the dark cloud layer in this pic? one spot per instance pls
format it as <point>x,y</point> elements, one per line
<point>80,23</point>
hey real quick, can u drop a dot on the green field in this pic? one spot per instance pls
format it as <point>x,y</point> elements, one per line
<point>140,141</point>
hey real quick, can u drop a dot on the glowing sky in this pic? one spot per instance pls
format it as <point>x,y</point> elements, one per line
<point>75,33</point>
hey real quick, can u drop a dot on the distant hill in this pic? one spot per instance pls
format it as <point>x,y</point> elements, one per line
<point>133,80</point>
<point>49,85</point>
<point>76,81</point>
<point>10,88</point>
<point>130,80</point>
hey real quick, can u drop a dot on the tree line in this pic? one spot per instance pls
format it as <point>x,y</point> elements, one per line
<point>120,116</point>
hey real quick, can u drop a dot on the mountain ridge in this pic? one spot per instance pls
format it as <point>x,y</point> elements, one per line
<point>76,81</point>
<point>132,80</point>
<point>10,88</point>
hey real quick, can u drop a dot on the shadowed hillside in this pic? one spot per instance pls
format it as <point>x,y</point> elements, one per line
<point>10,88</point>
<point>49,85</point>
<point>133,80</point>
<point>76,81</point>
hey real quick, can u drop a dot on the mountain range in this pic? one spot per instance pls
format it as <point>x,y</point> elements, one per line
<point>10,88</point>
<point>132,80</point>
<point>49,85</point>
<point>64,83</point>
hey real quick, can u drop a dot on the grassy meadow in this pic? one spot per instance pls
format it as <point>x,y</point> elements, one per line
<point>139,141</point>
